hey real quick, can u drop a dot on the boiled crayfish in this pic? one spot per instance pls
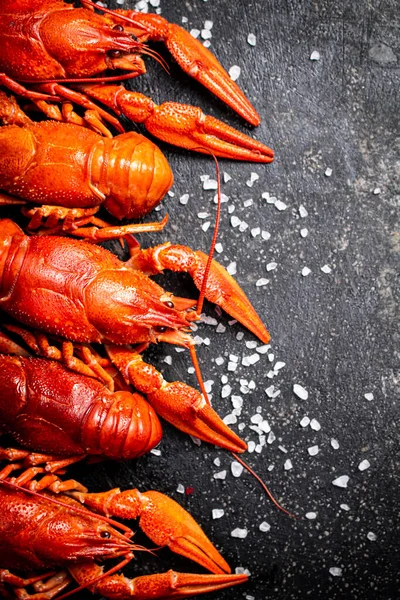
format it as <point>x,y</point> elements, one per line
<point>48,41</point>
<point>50,539</point>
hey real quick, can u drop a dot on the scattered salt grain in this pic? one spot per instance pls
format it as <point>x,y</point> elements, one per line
<point>210,184</point>
<point>226,391</point>
<point>313,450</point>
<point>311,516</point>
<point>156,452</point>
<point>217,513</point>
<point>224,198</point>
<point>341,481</point>
<point>271,266</point>
<point>251,39</point>
<point>305,271</point>
<point>219,248</point>
<point>264,526</point>
<point>243,226</point>
<point>171,194</point>
<point>234,72</point>
<point>336,571</point>
<point>220,475</point>
<point>304,422</point>
<point>279,365</point>
<point>256,418</point>
<point>270,391</point>
<point>248,203</point>
<point>247,361</point>
<point>263,349</point>
<point>261,282</point>
<point>168,360</point>
<point>230,419</point>
<point>184,199</point>
<point>345,507</point>
<point>328,172</point>
<point>253,178</point>
<point>208,24</point>
<point>369,396</point>
<point>326,269</point>
<point>315,425</point>
<point>265,235</point>
<point>217,461</point>
<point>364,464</point>
<point>300,391</point>
<point>235,221</point>
<point>303,211</point>
<point>255,231</point>
<point>236,469</point>
<point>270,199</point>
<point>180,489</point>
<point>205,227</point>
<point>372,536</point>
<point>226,177</point>
<point>240,335</point>
<point>195,33</point>
<point>335,444</point>
<point>221,328</point>
<point>377,191</point>
<point>315,55</point>
<point>232,268</point>
<point>242,571</point>
<point>288,465</point>
<point>251,446</point>
<point>232,366</point>
<point>219,360</point>
<point>206,34</point>
<point>271,437</point>
<point>265,427</point>
<point>304,232</point>
<point>239,533</point>
<point>279,205</point>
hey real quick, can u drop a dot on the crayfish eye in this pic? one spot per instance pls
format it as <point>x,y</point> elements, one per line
<point>169,303</point>
<point>118,28</point>
<point>105,534</point>
<point>115,53</point>
<point>161,329</point>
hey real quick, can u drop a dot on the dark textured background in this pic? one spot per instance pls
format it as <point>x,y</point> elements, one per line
<point>336,332</point>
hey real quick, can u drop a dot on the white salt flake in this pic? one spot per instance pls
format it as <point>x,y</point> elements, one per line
<point>255,231</point>
<point>313,450</point>
<point>311,516</point>
<point>205,227</point>
<point>168,360</point>
<point>232,268</point>
<point>248,203</point>
<point>219,248</point>
<point>251,39</point>
<point>341,481</point>
<point>270,199</point>
<point>236,469</point>
<point>265,235</point>
<point>232,366</point>
<point>219,360</point>
<point>243,226</point>
<point>184,199</point>
<point>263,349</point>
<point>256,418</point>
<point>271,266</point>
<point>315,425</point>
<point>315,55</point>
<point>180,489</point>
<point>217,461</point>
<point>234,72</point>
<point>279,365</point>
<point>305,271</point>
<point>270,391</point>
<point>220,475</point>
<point>300,391</point>
<point>224,198</point>
<point>208,24</point>
<point>237,401</point>
<point>251,446</point>
<point>203,215</point>
<point>328,172</point>
<point>304,232</point>
<point>210,184</point>
<point>303,212</point>
<point>230,419</point>
<point>288,465</point>
<point>336,571</point>
<point>253,179</point>
<point>226,391</point>
<point>305,422</point>
<point>206,34</point>
<point>217,513</point>
<point>279,205</point>
<point>377,191</point>
<point>335,444</point>
<point>369,396</point>
<point>271,437</point>
<point>345,507</point>
<point>326,269</point>
<point>235,221</point>
<point>364,464</point>
<point>372,536</point>
<point>195,33</point>
<point>226,177</point>
<point>239,533</point>
<point>264,526</point>
<point>264,426</point>
<point>156,451</point>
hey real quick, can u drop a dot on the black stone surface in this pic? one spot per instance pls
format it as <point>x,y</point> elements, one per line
<point>336,332</point>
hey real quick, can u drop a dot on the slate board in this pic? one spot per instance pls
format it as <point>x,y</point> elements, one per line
<point>336,332</point>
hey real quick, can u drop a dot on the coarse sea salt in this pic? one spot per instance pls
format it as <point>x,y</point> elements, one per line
<point>184,199</point>
<point>305,422</point>
<point>251,39</point>
<point>217,461</point>
<point>220,475</point>
<point>265,235</point>
<point>377,190</point>
<point>288,465</point>
<point>341,481</point>
<point>236,469</point>
<point>239,533</point>
<point>217,513</point>
<point>300,391</point>
<point>369,396</point>
<point>195,33</point>
<point>279,205</point>
<point>372,536</point>
<point>311,516</point>
<point>326,269</point>
<point>335,444</point>
<point>328,172</point>
<point>313,450</point>
<point>271,266</point>
<point>364,464</point>
<point>264,526</point>
<point>219,247</point>
<point>315,55</point>
<point>304,232</point>
<point>305,271</point>
<point>262,282</point>
<point>345,507</point>
<point>180,489</point>
<point>303,211</point>
<point>234,72</point>
<point>336,571</point>
<point>210,184</point>
<point>315,425</point>
<point>251,446</point>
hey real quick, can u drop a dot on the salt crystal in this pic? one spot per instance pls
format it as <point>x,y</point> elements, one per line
<point>253,178</point>
<point>235,221</point>
<point>220,475</point>
<point>300,391</point>
<point>303,211</point>
<point>328,172</point>
<point>156,452</point>
<point>221,328</point>
<point>248,203</point>
<point>251,39</point>
<point>210,184</point>
<point>234,72</point>
<point>219,361</point>
<point>251,446</point>
<point>226,391</point>
<point>248,597</point>
<point>265,235</point>
<point>313,450</point>
<point>184,199</point>
<point>305,271</point>
<point>236,469</point>
<point>255,231</point>
<point>195,440</point>
<point>315,425</point>
<point>369,396</point>
<point>232,268</point>
<point>224,198</point>
<point>365,464</point>
<point>217,513</point>
<point>311,516</point>
<point>208,385</point>
<point>208,24</point>
<point>242,571</point>
<point>224,379</point>
<point>168,360</point>
<point>203,215</point>
<point>271,437</point>
<point>326,269</point>
<point>171,194</point>
<point>288,465</point>
<point>243,226</point>
<point>219,248</point>
<point>270,199</point>
<point>239,533</point>
<point>263,349</point>
<point>279,365</point>
<point>232,366</point>
<point>271,266</point>
<point>217,461</point>
<point>231,209</point>
<point>264,426</point>
<point>180,489</point>
<point>279,205</point>
<point>335,444</point>
<point>226,177</point>
<point>259,448</point>
<point>205,227</point>
<point>336,571</point>
<point>315,55</point>
<point>256,418</point>
<point>304,232</point>
<point>305,422</point>
<point>270,390</point>
<point>341,481</point>
<point>240,335</point>
<point>264,526</point>
<point>372,536</point>
<point>185,20</point>
<point>345,507</point>
<point>237,401</point>
<point>206,34</point>
<point>195,33</point>
<point>377,191</point>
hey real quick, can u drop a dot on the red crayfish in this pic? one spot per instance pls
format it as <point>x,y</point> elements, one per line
<point>62,531</point>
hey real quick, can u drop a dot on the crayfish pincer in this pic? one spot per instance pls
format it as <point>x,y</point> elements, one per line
<point>53,538</point>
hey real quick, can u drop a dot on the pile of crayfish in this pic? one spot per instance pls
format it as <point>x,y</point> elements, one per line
<point>76,319</point>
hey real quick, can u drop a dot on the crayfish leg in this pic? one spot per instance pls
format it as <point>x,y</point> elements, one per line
<point>44,590</point>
